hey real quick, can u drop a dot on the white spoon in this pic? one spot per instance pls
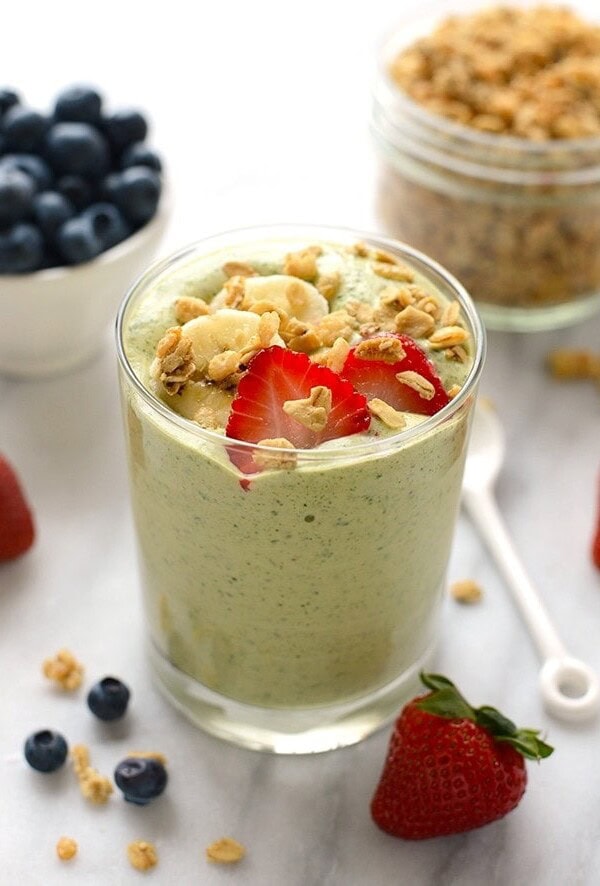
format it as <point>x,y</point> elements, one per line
<point>570,688</point>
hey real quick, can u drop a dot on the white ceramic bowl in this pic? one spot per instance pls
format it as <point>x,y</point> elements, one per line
<point>56,319</point>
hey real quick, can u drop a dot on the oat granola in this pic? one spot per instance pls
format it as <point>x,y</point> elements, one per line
<point>64,669</point>
<point>466,591</point>
<point>142,855</point>
<point>66,848</point>
<point>94,787</point>
<point>225,851</point>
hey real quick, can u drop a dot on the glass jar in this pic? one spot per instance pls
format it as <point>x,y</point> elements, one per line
<point>289,610</point>
<point>517,221</point>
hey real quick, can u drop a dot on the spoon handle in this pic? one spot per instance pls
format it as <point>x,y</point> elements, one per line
<point>570,688</point>
<point>485,514</point>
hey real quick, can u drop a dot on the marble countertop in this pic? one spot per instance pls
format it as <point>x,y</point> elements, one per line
<point>305,821</point>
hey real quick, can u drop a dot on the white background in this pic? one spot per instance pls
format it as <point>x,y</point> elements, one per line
<point>260,110</point>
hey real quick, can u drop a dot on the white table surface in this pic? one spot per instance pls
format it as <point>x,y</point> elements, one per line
<point>260,110</point>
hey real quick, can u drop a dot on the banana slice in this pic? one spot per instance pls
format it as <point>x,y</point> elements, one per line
<point>204,402</point>
<point>296,297</point>
<point>225,330</point>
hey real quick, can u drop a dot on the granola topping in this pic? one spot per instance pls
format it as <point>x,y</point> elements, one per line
<point>448,337</point>
<point>414,322</point>
<point>421,385</point>
<point>239,269</point>
<point>303,263</point>
<point>393,271</point>
<point>386,348</point>
<point>329,284</point>
<point>175,360</point>
<point>280,459</point>
<point>337,355</point>
<point>388,415</point>
<point>312,411</point>
<point>188,308</point>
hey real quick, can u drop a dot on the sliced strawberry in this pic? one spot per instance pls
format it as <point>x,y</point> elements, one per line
<point>16,524</point>
<point>377,378</point>
<point>274,376</point>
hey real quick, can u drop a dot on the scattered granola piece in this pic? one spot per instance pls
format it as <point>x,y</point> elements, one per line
<point>278,459</point>
<point>66,848</point>
<point>338,324</point>
<point>300,336</point>
<point>457,353</point>
<point>95,787</point>
<point>222,365</point>
<point>360,249</point>
<point>418,383</point>
<point>454,391</point>
<point>80,756</point>
<point>175,360</point>
<point>234,289</point>
<point>312,411</point>
<point>567,363</point>
<point>336,356</point>
<point>239,269</point>
<point>388,415</point>
<point>268,327</point>
<point>393,271</point>
<point>329,284</point>
<point>450,314</point>
<point>361,311</point>
<point>380,255</point>
<point>448,337</point>
<point>225,851</point>
<point>429,305</point>
<point>303,264</point>
<point>414,322</point>
<point>142,855</point>
<point>64,669</point>
<point>387,348</point>
<point>188,308</point>
<point>466,591</point>
<point>149,755</point>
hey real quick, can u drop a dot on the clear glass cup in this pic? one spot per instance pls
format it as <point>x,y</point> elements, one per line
<point>292,610</point>
<point>517,221</point>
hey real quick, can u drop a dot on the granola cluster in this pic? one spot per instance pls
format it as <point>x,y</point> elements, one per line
<point>294,310</point>
<point>533,73</point>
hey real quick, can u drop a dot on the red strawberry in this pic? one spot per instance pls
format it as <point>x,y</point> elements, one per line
<point>451,767</point>
<point>596,539</point>
<point>276,375</point>
<point>16,523</point>
<point>377,378</point>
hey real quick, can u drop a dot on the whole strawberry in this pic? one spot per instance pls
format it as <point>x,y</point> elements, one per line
<point>16,524</point>
<point>450,767</point>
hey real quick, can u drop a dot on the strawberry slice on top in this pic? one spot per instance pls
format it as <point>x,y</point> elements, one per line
<point>372,368</point>
<point>274,401</point>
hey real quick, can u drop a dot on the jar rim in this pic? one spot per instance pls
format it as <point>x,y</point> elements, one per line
<point>374,446</point>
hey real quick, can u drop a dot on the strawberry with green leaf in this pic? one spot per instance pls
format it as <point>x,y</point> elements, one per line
<point>451,767</point>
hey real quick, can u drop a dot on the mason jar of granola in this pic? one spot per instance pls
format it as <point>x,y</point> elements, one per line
<point>488,132</point>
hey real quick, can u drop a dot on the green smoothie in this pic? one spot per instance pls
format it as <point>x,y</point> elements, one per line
<point>318,583</point>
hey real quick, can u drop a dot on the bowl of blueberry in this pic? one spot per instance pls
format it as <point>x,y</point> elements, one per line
<point>82,212</point>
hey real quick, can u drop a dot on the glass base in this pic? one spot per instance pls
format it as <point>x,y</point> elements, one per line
<point>540,319</point>
<point>285,730</point>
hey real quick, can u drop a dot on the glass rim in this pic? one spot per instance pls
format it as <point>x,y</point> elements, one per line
<point>287,231</point>
<point>387,95</point>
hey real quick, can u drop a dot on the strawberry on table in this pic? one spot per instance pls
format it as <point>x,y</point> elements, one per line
<point>451,767</point>
<point>596,539</point>
<point>16,523</point>
<point>285,396</point>
<point>393,368</point>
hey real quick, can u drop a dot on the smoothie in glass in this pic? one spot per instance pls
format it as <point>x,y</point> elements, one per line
<point>297,406</point>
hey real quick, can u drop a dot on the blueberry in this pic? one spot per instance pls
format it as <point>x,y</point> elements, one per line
<point>21,249</point>
<point>138,154</point>
<point>2,144</point>
<point>79,104</point>
<point>77,149</point>
<point>76,189</point>
<point>23,128</point>
<point>51,209</point>
<point>125,127</point>
<point>136,191</point>
<point>108,699</point>
<point>77,242</point>
<point>8,98</point>
<point>33,165</point>
<point>16,195</point>
<point>141,779</point>
<point>46,751</point>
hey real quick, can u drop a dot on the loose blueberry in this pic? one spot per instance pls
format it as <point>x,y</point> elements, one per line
<point>16,195</point>
<point>136,191</point>
<point>141,779</point>
<point>138,154</point>
<point>77,149</point>
<point>109,698</point>
<point>31,164</point>
<point>76,241</point>
<point>76,189</point>
<point>125,127</point>
<point>51,209</point>
<point>79,104</point>
<point>8,98</point>
<point>21,249</point>
<point>2,144</point>
<point>46,751</point>
<point>23,128</point>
